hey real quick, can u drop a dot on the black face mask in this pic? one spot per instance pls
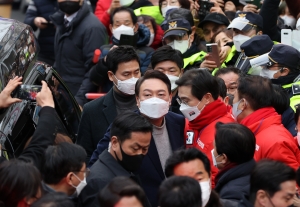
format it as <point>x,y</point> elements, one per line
<point>69,7</point>
<point>129,162</point>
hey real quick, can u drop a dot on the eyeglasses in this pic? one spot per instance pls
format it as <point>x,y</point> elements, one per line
<point>86,171</point>
<point>179,101</point>
<point>271,65</point>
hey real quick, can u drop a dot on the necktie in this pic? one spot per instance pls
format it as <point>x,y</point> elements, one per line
<point>66,23</point>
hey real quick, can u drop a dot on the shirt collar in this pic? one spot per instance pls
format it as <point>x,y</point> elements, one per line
<point>71,17</point>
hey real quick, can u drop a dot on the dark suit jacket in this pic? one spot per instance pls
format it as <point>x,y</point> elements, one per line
<point>151,172</point>
<point>103,171</point>
<point>96,117</point>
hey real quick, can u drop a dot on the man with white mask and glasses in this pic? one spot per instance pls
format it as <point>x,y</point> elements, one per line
<point>153,96</point>
<point>123,22</point>
<point>198,93</point>
<point>124,71</point>
<point>170,62</point>
<point>64,169</point>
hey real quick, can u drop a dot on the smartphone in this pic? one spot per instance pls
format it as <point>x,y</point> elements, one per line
<point>128,40</point>
<point>47,23</point>
<point>254,2</point>
<point>205,7</point>
<point>213,51</point>
<point>286,37</point>
<point>28,92</point>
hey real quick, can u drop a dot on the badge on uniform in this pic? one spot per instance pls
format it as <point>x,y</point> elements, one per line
<point>296,89</point>
<point>190,137</point>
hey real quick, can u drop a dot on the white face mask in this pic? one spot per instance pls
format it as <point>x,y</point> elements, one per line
<point>81,185</point>
<point>182,45</point>
<point>126,2</point>
<point>215,163</point>
<point>238,40</point>
<point>190,112</point>
<point>127,86</point>
<point>165,9</point>
<point>151,39</point>
<point>122,30</point>
<point>154,107</point>
<point>205,192</point>
<point>266,73</point>
<point>172,79</point>
<point>235,110</point>
<point>289,21</point>
<point>298,138</point>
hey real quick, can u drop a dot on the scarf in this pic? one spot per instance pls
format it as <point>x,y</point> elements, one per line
<point>224,170</point>
<point>210,113</point>
<point>259,115</point>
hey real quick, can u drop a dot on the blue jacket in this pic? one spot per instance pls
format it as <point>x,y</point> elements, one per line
<point>235,183</point>
<point>151,172</point>
<point>98,74</point>
<point>43,8</point>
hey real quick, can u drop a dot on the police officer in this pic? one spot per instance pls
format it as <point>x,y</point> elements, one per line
<point>283,69</point>
<point>180,36</point>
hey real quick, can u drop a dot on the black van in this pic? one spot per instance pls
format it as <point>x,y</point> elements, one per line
<point>18,51</point>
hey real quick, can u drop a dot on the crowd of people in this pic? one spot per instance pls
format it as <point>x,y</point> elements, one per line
<point>199,106</point>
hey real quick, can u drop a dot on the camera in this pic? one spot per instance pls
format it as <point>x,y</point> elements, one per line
<point>205,6</point>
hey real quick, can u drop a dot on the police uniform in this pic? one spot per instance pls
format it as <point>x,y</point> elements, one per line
<point>288,57</point>
<point>180,27</point>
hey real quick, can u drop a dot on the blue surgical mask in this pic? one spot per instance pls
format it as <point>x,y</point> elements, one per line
<point>235,110</point>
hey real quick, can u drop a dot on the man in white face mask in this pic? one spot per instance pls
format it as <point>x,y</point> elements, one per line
<point>254,109</point>
<point>245,25</point>
<point>193,163</point>
<point>153,97</point>
<point>170,62</point>
<point>283,67</point>
<point>198,93</point>
<point>64,169</point>
<point>124,71</point>
<point>123,22</point>
<point>178,34</point>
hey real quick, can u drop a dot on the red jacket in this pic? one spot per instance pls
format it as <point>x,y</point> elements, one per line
<point>203,130</point>
<point>273,141</point>
<point>157,42</point>
<point>101,13</point>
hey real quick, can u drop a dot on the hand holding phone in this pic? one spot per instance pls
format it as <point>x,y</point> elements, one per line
<point>28,92</point>
<point>213,53</point>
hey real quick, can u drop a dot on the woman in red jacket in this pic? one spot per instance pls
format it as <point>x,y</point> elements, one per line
<point>253,108</point>
<point>199,102</point>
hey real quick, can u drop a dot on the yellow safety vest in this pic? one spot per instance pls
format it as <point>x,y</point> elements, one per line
<point>152,11</point>
<point>229,57</point>
<point>194,58</point>
<point>294,100</point>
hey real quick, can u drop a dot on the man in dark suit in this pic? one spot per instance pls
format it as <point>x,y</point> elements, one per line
<point>153,95</point>
<point>130,141</point>
<point>124,70</point>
